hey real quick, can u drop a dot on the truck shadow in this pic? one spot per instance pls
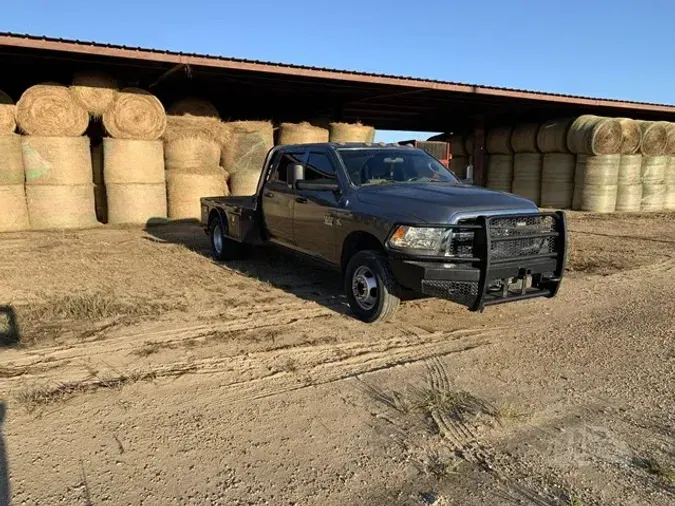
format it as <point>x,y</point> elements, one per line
<point>281,270</point>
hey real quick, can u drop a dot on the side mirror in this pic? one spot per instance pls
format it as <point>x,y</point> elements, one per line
<point>296,173</point>
<point>318,185</point>
<point>469,175</point>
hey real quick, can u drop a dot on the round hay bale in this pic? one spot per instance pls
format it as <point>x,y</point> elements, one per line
<point>136,203</point>
<point>598,198</point>
<point>135,114</point>
<point>193,106</point>
<point>301,133</point>
<point>654,138</point>
<point>592,171</point>
<point>669,200</point>
<point>458,146</point>
<point>128,161</point>
<point>185,189</point>
<point>11,160</point>
<point>244,183</point>
<point>670,137</point>
<point>628,198</point>
<point>498,140</point>
<point>50,110</point>
<point>7,114</point>
<point>630,170</point>
<point>552,136</point>
<point>527,168</point>
<point>185,154</point>
<point>458,165</point>
<point>653,197</point>
<point>631,136</point>
<point>593,135</point>
<point>524,138</point>
<point>193,127</point>
<point>13,208</point>
<point>245,145</point>
<point>57,160</point>
<point>61,206</point>
<point>346,132</point>
<point>95,91</point>
<point>557,180</point>
<point>653,170</point>
<point>500,172</point>
<point>669,177</point>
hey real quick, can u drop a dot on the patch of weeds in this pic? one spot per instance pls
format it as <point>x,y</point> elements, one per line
<point>657,468</point>
<point>147,349</point>
<point>507,411</point>
<point>439,466</point>
<point>290,365</point>
<point>573,499</point>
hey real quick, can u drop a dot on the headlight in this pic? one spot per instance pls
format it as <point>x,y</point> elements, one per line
<point>424,239</point>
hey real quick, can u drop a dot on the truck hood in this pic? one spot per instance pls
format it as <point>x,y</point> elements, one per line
<point>441,202</point>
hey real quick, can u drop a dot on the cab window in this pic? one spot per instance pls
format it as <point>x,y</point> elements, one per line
<point>280,174</point>
<point>319,168</point>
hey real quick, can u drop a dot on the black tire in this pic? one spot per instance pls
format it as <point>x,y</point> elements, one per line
<point>223,248</point>
<point>370,287</point>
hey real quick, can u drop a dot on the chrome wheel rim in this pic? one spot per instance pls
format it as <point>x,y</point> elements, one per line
<point>364,288</point>
<point>217,239</point>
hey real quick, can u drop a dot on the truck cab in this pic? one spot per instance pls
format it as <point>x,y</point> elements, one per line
<point>391,219</point>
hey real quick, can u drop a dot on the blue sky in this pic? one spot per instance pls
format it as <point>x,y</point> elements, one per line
<point>610,49</point>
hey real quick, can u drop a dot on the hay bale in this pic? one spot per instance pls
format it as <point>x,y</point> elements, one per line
<point>185,189</point>
<point>631,136</point>
<point>458,145</point>
<point>7,114</point>
<point>500,172</point>
<point>57,160</point>
<point>245,146</point>
<point>346,132</point>
<point>669,199</point>
<point>244,183</point>
<point>628,198</point>
<point>669,176</point>
<point>186,154</point>
<point>527,168</point>
<point>593,135</point>
<point>135,114</point>
<point>654,138</point>
<point>193,127</point>
<point>524,138</point>
<point>50,110</point>
<point>61,206</point>
<point>136,203</point>
<point>11,160</point>
<point>670,137</point>
<point>630,170</point>
<point>132,161</point>
<point>498,140</point>
<point>653,170</point>
<point>193,106</point>
<point>301,133</point>
<point>95,91</point>
<point>458,165</point>
<point>595,183</point>
<point>552,136</point>
<point>13,208</point>
<point>557,180</point>
<point>653,197</point>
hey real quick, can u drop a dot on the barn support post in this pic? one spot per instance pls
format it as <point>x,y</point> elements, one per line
<point>478,155</point>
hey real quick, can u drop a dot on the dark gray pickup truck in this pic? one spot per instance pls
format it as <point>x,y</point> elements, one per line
<point>392,220</point>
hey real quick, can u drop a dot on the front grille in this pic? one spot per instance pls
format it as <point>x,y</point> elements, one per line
<point>461,292</point>
<point>515,228</point>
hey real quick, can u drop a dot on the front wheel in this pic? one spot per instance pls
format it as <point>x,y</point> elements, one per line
<point>370,287</point>
<point>222,247</point>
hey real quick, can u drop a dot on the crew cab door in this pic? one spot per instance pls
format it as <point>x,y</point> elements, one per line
<point>278,198</point>
<point>314,219</point>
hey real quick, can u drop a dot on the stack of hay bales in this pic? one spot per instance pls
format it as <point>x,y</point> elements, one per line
<point>301,133</point>
<point>348,132</point>
<point>96,92</point>
<point>245,145</point>
<point>133,158</point>
<point>13,210</point>
<point>654,163</point>
<point>558,164</point>
<point>629,187</point>
<point>57,159</point>
<point>597,143</point>
<point>527,162</point>
<point>192,157</point>
<point>500,161</point>
<point>460,158</point>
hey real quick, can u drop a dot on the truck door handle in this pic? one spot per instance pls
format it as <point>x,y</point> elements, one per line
<point>301,200</point>
<point>269,195</point>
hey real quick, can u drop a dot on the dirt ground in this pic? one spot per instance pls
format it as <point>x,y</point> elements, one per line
<point>135,370</point>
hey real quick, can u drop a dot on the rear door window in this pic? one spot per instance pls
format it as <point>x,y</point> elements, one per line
<point>319,168</point>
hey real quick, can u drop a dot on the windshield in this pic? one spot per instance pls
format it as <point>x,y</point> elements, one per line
<point>396,165</point>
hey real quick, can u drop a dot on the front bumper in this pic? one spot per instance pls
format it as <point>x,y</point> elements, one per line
<point>503,267</point>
